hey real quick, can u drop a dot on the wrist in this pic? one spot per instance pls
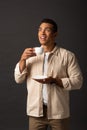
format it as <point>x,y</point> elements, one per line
<point>58,81</point>
<point>22,60</point>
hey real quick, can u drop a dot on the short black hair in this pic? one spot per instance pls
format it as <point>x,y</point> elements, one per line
<point>50,21</point>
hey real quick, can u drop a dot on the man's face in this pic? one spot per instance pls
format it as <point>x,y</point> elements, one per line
<point>46,35</point>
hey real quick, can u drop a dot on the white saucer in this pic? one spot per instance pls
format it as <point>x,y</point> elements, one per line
<point>40,77</point>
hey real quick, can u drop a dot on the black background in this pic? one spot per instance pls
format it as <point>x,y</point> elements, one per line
<point>19,20</point>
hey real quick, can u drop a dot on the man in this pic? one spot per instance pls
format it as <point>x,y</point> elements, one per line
<point>48,99</point>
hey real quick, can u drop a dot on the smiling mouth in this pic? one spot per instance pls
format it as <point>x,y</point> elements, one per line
<point>43,37</point>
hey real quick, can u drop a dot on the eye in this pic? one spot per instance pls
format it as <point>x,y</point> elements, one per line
<point>48,29</point>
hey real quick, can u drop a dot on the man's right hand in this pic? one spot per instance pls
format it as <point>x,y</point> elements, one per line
<point>28,52</point>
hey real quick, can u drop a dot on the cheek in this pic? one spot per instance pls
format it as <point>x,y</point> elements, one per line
<point>38,35</point>
<point>50,34</point>
<point>51,37</point>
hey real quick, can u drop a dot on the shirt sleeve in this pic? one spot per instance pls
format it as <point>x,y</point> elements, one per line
<point>74,79</point>
<point>20,77</point>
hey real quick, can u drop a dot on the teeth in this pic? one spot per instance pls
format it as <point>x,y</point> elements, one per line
<point>43,37</point>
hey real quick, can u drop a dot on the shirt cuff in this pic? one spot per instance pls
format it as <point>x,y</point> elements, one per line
<point>65,82</point>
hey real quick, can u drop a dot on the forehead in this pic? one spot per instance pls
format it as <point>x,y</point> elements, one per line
<point>46,25</point>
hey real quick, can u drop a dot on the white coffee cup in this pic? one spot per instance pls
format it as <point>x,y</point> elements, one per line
<point>38,50</point>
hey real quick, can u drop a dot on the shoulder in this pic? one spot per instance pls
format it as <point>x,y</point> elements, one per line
<point>65,52</point>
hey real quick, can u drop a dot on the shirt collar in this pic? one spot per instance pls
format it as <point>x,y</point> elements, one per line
<point>54,50</point>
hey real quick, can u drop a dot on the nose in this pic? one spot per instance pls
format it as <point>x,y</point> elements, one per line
<point>43,31</point>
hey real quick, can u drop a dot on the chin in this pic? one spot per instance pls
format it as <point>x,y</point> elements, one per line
<point>42,43</point>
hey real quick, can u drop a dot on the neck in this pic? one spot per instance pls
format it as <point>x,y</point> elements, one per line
<point>48,48</point>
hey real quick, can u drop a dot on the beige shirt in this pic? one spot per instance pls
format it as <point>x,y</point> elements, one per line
<point>61,63</point>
